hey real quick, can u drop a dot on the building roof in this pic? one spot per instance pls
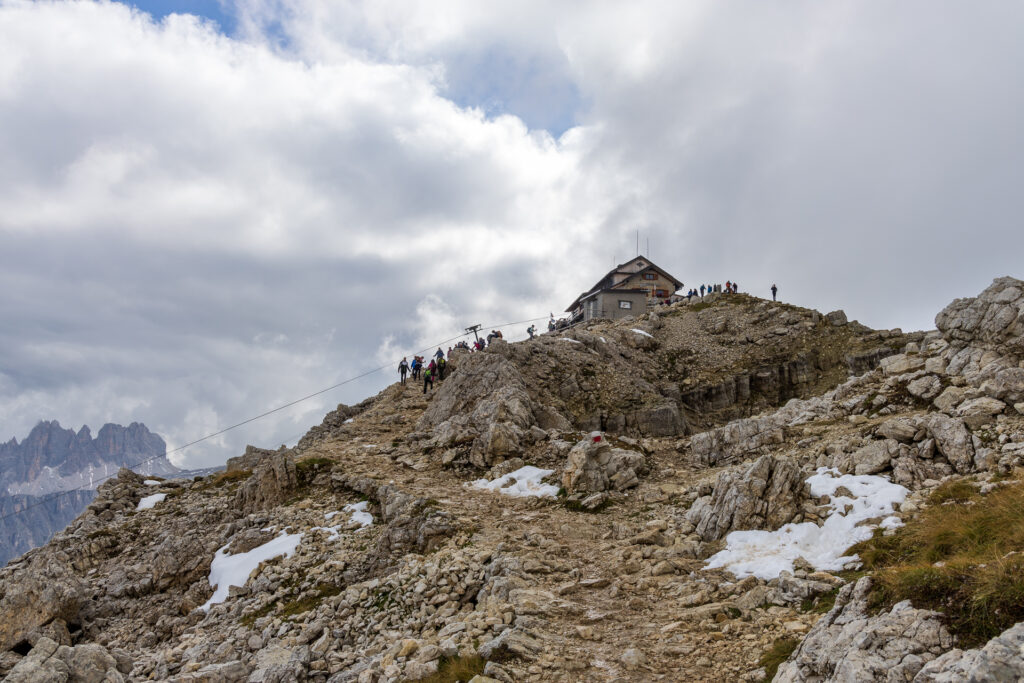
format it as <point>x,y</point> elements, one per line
<point>608,281</point>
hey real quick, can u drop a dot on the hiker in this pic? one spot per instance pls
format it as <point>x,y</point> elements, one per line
<point>775,291</point>
<point>403,369</point>
<point>551,325</point>
<point>702,291</point>
<point>530,330</point>
<point>428,378</point>
<point>728,286</point>
<point>416,367</point>
<point>441,365</point>
<point>439,354</point>
<point>735,288</point>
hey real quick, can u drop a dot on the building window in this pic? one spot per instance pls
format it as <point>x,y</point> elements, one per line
<point>660,293</point>
<point>625,304</point>
<point>650,276</point>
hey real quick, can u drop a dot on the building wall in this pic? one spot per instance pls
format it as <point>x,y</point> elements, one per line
<point>659,282</point>
<point>608,305</point>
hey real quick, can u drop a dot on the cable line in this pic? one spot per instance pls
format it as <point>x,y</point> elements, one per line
<point>99,481</point>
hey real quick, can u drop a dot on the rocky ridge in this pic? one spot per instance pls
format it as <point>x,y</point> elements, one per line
<point>607,581</point>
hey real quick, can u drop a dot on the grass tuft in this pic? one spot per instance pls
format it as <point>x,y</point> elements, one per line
<point>966,561</point>
<point>780,651</point>
<point>958,491</point>
<point>456,669</point>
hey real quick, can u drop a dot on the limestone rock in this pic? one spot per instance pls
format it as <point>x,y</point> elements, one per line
<point>872,458</point>
<point>1001,659</point>
<point>848,644</point>
<point>46,589</point>
<point>270,484</point>
<point>597,466</point>
<point>993,319</point>
<point>837,318</point>
<point>766,495</point>
<point>900,364</point>
<point>926,387</point>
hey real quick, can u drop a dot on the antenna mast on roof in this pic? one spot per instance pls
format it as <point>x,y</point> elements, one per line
<point>648,247</point>
<point>637,242</point>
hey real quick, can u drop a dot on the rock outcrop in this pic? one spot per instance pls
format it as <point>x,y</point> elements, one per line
<point>766,495</point>
<point>594,465</point>
<point>848,644</point>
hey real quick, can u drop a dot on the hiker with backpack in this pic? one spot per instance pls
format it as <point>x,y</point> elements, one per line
<point>403,369</point>
<point>416,364</point>
<point>428,378</point>
<point>441,365</point>
<point>775,291</point>
<point>531,330</point>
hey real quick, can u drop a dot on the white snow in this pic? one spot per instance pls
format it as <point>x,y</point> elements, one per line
<point>150,501</point>
<point>646,334</point>
<point>152,482</point>
<point>765,554</point>
<point>331,515</point>
<point>357,512</point>
<point>351,419</point>
<point>526,481</point>
<point>234,570</point>
<point>574,341</point>
<point>603,340</point>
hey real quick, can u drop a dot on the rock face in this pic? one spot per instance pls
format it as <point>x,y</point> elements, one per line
<point>484,406</point>
<point>269,485</point>
<point>848,644</point>
<point>48,661</point>
<point>999,660</point>
<point>767,495</point>
<point>994,319</point>
<point>48,589</point>
<point>594,466</point>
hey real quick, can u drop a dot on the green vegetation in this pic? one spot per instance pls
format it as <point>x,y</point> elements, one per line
<point>455,669</point>
<point>821,603</point>
<point>303,605</point>
<point>249,619</point>
<point>307,470</point>
<point>780,651</point>
<point>964,560</point>
<point>215,481</point>
<point>959,491</point>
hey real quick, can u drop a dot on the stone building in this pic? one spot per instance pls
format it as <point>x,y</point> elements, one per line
<point>626,290</point>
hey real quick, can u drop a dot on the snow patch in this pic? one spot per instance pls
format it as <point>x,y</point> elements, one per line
<point>574,341</point>
<point>234,570</point>
<point>526,481</point>
<point>357,512</point>
<point>766,554</point>
<point>348,421</point>
<point>150,501</point>
<point>152,482</point>
<point>646,334</point>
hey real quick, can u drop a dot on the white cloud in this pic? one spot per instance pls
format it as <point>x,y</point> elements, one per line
<point>198,227</point>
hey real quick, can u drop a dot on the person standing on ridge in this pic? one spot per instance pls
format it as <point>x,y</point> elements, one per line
<point>702,291</point>
<point>775,291</point>
<point>416,367</point>
<point>403,369</point>
<point>439,353</point>
<point>530,330</point>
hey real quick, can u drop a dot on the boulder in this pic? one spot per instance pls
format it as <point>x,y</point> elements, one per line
<point>595,466</point>
<point>872,458</point>
<point>980,411</point>
<point>951,439</point>
<point>849,644</point>
<point>766,495</point>
<point>1001,659</point>
<point>900,364</point>
<point>44,589</point>
<point>271,484</point>
<point>926,387</point>
<point>994,319</point>
<point>900,429</point>
<point>837,318</point>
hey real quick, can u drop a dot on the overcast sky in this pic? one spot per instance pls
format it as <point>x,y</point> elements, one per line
<point>208,208</point>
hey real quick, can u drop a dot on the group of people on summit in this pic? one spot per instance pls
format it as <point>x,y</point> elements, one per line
<point>438,362</point>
